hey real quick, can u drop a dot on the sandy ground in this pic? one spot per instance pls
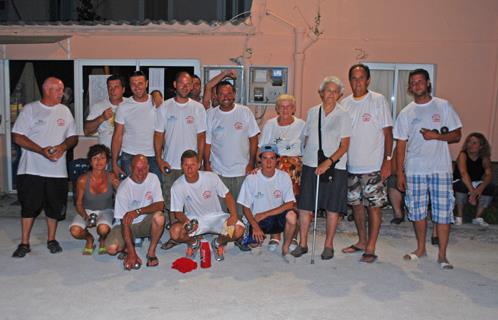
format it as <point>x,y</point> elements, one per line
<point>256,285</point>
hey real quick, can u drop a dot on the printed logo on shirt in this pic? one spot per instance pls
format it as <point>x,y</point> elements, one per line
<point>206,194</point>
<point>277,194</point>
<point>148,195</point>
<point>259,195</point>
<point>189,119</point>
<point>188,198</point>
<point>238,125</point>
<point>61,122</point>
<point>171,118</point>
<point>39,122</point>
<point>436,117</point>
<point>366,117</point>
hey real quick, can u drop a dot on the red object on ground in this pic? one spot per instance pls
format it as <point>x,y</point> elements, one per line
<point>184,265</point>
<point>205,255</point>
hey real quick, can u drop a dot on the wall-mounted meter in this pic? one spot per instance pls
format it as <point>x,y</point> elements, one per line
<point>266,84</point>
<point>211,71</point>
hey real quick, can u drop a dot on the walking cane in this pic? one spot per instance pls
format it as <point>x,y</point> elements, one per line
<point>314,220</point>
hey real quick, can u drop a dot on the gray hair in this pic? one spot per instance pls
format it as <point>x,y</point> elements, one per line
<point>332,79</point>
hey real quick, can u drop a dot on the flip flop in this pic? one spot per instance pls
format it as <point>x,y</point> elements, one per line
<point>169,244</point>
<point>368,258</point>
<point>102,250</point>
<point>152,261</point>
<point>351,249</point>
<point>88,251</point>
<point>412,257</point>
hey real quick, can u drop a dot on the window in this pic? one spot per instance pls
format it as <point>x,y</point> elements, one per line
<point>391,79</point>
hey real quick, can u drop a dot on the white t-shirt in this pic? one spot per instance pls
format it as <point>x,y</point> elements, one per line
<point>106,128</point>
<point>370,116</point>
<point>199,198</point>
<point>260,193</point>
<point>180,122</point>
<point>131,196</point>
<point>289,139</point>
<point>335,126</point>
<point>426,156</point>
<point>45,126</point>
<point>138,120</point>
<point>228,134</point>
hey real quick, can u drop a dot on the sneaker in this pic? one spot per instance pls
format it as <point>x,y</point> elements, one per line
<point>54,246</point>
<point>21,251</point>
<point>192,249</point>
<point>458,221</point>
<point>218,250</point>
<point>480,221</point>
<point>273,245</point>
<point>242,247</point>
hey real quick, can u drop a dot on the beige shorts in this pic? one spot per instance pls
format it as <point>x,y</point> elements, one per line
<point>103,217</point>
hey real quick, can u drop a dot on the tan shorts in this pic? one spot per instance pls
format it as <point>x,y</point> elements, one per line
<point>138,230</point>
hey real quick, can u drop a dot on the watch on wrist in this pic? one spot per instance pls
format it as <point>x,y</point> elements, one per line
<point>138,211</point>
<point>389,158</point>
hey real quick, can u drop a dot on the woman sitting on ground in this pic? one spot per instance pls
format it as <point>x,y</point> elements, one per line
<point>94,200</point>
<point>473,176</point>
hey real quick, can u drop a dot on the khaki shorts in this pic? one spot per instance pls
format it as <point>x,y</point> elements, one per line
<point>138,230</point>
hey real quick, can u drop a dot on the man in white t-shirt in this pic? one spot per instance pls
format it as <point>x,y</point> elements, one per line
<point>195,93</point>
<point>44,130</point>
<point>423,130</point>
<point>101,116</point>
<point>195,196</point>
<point>369,159</point>
<point>134,128</point>
<point>180,125</point>
<point>231,140</point>
<point>268,200</point>
<point>138,212</point>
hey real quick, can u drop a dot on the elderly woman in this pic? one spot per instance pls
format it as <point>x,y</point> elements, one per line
<point>286,131</point>
<point>473,176</point>
<point>335,125</point>
<point>94,200</point>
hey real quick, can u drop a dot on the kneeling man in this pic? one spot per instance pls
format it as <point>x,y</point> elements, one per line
<point>138,212</point>
<point>198,192</point>
<point>268,200</point>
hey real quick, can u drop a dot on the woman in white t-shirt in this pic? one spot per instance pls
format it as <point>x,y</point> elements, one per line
<point>286,131</point>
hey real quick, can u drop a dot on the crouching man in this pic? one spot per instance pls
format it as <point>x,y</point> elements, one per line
<point>197,192</point>
<point>268,200</point>
<point>138,212</point>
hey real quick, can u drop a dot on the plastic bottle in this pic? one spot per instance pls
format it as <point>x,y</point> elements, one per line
<point>205,254</point>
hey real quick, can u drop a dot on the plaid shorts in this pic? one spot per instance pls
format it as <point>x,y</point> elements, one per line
<point>438,188</point>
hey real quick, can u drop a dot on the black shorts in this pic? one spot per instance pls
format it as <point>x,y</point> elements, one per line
<point>36,193</point>
<point>272,224</point>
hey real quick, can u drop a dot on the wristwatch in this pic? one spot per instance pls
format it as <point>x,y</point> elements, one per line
<point>389,158</point>
<point>138,211</point>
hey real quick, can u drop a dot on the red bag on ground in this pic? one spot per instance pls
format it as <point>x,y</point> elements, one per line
<point>184,265</point>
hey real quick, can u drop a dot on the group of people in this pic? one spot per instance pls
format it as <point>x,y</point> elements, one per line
<point>198,161</point>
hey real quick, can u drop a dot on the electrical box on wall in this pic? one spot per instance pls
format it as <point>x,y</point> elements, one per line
<point>211,71</point>
<point>266,84</point>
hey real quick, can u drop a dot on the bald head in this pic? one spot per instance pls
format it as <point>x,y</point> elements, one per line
<point>139,168</point>
<point>53,91</point>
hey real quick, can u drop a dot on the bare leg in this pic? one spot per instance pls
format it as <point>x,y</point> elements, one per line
<point>290,228</point>
<point>479,211</point>
<point>26,226</point>
<point>359,220</point>
<point>304,224</point>
<point>459,209</point>
<point>396,199</point>
<point>443,231</point>
<point>420,228</point>
<point>51,228</point>
<point>82,234</point>
<point>156,231</point>
<point>333,219</point>
<point>374,222</point>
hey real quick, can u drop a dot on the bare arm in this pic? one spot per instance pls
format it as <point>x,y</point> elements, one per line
<point>400,164</point>
<point>201,143</point>
<point>275,211</point>
<point>253,150</point>
<point>117,140</point>
<point>462,167</point>
<point>450,137</point>
<point>208,87</point>
<point>207,156</point>
<point>158,149</point>
<point>232,209</point>
<point>91,126</point>
<point>80,190</point>
<point>385,169</point>
<point>334,158</point>
<point>257,233</point>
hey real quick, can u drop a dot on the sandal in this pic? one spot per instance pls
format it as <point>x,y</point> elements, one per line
<point>169,244</point>
<point>122,255</point>
<point>88,251</point>
<point>152,261</point>
<point>327,254</point>
<point>273,245</point>
<point>351,249</point>
<point>299,251</point>
<point>54,246</point>
<point>102,250</point>
<point>445,265</point>
<point>368,258</point>
<point>21,251</point>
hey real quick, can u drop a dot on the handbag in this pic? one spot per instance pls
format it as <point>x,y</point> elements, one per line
<point>327,175</point>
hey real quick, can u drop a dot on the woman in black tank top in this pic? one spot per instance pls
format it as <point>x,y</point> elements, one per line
<point>95,195</point>
<point>473,177</point>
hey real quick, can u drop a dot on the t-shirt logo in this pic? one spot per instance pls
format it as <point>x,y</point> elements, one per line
<point>189,119</point>
<point>366,117</point>
<point>277,194</point>
<point>436,117</point>
<point>206,194</point>
<point>61,122</point>
<point>259,195</point>
<point>148,195</point>
<point>238,125</point>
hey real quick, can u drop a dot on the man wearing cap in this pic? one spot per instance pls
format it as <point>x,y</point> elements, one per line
<point>268,200</point>
<point>195,203</point>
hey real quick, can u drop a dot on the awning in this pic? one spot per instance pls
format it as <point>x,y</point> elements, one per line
<point>31,39</point>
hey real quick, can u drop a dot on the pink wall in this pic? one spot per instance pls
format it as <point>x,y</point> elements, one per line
<point>459,36</point>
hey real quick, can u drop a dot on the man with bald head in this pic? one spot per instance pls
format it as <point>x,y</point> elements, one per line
<point>138,212</point>
<point>44,130</point>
